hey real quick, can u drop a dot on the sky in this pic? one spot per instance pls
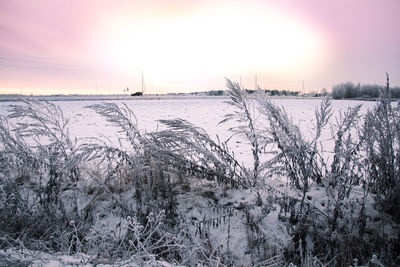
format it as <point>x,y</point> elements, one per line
<point>103,47</point>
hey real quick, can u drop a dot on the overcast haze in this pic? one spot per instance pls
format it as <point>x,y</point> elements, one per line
<point>53,46</point>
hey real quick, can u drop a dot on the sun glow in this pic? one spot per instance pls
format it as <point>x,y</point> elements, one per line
<point>220,40</point>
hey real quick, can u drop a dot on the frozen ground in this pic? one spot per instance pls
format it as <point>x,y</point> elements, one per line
<point>198,206</point>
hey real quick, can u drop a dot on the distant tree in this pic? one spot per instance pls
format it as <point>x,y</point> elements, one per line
<point>324,92</point>
<point>215,93</point>
<point>395,91</point>
<point>343,90</point>
<point>349,90</point>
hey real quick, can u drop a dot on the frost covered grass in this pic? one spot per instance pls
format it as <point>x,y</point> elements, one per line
<point>175,195</point>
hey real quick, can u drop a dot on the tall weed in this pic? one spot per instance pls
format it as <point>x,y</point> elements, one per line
<point>382,134</point>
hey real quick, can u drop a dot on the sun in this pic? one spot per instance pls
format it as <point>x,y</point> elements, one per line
<point>218,39</point>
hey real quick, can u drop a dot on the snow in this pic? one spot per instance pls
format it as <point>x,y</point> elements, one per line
<point>204,112</point>
<point>197,205</point>
<point>26,257</point>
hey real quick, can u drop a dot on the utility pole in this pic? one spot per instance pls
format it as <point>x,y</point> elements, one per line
<point>143,85</point>
<point>255,80</point>
<point>302,87</point>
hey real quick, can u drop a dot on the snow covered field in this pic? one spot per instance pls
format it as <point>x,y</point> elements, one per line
<point>225,223</point>
<point>205,112</point>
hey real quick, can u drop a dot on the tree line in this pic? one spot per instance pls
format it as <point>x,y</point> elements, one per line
<point>350,90</point>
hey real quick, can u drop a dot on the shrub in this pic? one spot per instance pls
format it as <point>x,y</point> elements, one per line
<point>382,135</point>
<point>35,175</point>
<point>298,158</point>
<point>246,124</point>
<point>303,162</point>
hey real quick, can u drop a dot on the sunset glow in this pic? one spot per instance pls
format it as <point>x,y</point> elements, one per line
<point>212,40</point>
<point>181,46</point>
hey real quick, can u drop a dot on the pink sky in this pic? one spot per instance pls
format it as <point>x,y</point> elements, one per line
<point>75,46</point>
